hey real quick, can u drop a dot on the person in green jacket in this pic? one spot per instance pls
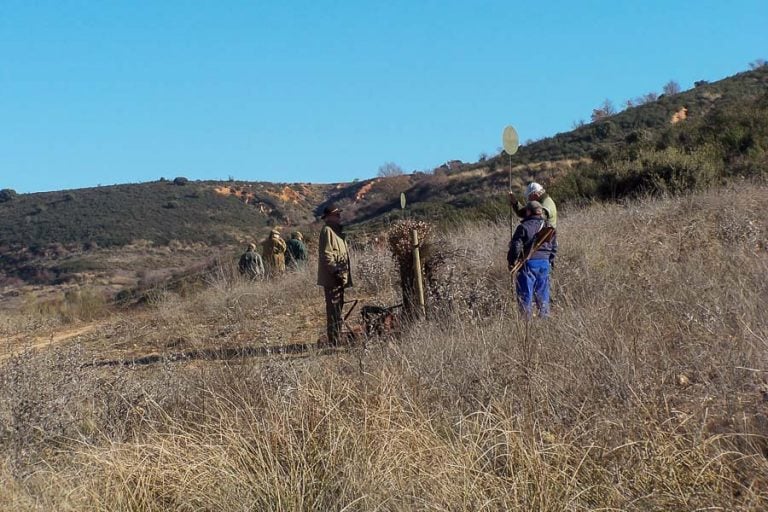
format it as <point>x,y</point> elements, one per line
<point>333,271</point>
<point>296,254</point>
<point>535,192</point>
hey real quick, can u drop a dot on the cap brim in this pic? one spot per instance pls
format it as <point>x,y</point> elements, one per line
<point>337,210</point>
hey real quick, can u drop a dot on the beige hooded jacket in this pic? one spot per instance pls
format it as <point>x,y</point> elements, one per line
<point>273,249</point>
<point>333,268</point>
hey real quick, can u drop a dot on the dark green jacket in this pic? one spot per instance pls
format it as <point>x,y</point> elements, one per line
<point>297,252</point>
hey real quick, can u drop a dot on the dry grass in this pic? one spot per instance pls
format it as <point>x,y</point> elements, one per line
<point>644,391</point>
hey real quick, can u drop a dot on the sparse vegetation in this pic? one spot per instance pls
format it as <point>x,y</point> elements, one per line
<point>671,88</point>
<point>644,391</point>
<point>606,109</point>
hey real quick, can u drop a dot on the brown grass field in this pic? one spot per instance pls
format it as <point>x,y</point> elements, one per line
<point>646,390</point>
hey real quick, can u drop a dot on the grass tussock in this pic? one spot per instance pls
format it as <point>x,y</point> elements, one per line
<point>644,391</point>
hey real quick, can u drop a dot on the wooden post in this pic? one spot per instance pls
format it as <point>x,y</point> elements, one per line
<point>417,272</point>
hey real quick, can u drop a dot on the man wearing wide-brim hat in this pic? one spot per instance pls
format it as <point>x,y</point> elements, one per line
<point>333,270</point>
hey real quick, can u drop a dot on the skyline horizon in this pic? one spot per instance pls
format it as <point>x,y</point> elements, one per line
<point>312,92</point>
<point>496,153</point>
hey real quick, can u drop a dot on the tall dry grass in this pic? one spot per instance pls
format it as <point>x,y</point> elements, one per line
<point>37,314</point>
<point>645,390</point>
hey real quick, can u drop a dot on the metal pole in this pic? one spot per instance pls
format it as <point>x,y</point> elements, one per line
<point>511,204</point>
<point>417,272</point>
<point>511,198</point>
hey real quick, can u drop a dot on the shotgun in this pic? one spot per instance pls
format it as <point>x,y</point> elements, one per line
<point>544,235</point>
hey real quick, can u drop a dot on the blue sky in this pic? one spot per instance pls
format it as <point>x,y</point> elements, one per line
<point>128,91</point>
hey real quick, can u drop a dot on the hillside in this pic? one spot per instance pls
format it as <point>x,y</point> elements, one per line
<point>709,135</point>
<point>161,211</point>
<point>697,138</point>
<point>96,233</point>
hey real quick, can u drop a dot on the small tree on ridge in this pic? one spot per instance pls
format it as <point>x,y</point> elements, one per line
<point>390,169</point>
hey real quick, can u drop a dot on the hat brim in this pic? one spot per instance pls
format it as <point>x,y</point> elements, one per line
<point>332,212</point>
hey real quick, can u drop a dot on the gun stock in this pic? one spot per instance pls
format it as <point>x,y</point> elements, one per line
<point>542,237</point>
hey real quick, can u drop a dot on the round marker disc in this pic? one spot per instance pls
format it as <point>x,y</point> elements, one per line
<point>509,140</point>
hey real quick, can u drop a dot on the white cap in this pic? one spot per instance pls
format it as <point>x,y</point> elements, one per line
<point>533,188</point>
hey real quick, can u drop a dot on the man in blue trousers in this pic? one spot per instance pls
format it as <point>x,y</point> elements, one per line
<point>532,282</point>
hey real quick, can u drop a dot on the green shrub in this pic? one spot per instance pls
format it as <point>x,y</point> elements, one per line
<point>582,183</point>
<point>672,170</point>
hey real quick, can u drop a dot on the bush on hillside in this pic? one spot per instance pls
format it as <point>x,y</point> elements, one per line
<point>7,194</point>
<point>583,183</point>
<point>671,170</point>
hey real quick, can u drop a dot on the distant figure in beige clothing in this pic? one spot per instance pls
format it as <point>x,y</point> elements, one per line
<point>273,252</point>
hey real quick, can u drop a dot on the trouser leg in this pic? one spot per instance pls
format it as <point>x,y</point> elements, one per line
<point>524,289</point>
<point>541,285</point>
<point>334,302</point>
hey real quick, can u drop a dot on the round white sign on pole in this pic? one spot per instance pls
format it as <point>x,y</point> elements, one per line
<point>509,140</point>
<point>402,200</point>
